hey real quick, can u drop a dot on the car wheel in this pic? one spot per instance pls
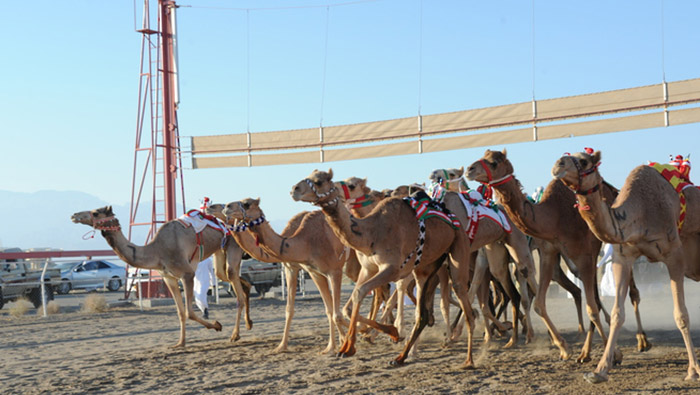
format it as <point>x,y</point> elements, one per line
<point>114,284</point>
<point>64,287</point>
<point>261,289</point>
<point>35,296</point>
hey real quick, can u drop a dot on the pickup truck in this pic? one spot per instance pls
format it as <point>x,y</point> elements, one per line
<point>261,275</point>
<point>18,279</point>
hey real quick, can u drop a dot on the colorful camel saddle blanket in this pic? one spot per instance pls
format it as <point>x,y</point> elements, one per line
<point>679,180</point>
<point>426,208</point>
<point>198,220</point>
<point>477,208</point>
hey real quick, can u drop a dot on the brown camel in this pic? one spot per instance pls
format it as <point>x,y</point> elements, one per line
<point>390,244</point>
<point>312,245</point>
<point>498,245</point>
<point>643,220</point>
<point>453,179</point>
<point>553,219</point>
<point>361,200</point>
<point>175,252</point>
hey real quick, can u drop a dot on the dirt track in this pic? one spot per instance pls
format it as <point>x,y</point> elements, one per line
<point>126,350</point>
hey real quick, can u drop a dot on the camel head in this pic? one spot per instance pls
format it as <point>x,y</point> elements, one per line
<point>317,189</point>
<point>353,188</point>
<point>245,210</point>
<point>405,190</point>
<point>579,171</point>
<point>93,217</point>
<point>491,168</point>
<point>216,210</point>
<point>448,178</point>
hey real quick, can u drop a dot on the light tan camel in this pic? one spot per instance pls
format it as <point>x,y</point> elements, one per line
<point>555,220</point>
<point>498,246</point>
<point>389,243</point>
<point>313,246</point>
<point>643,220</point>
<point>453,179</point>
<point>175,252</point>
<point>361,200</point>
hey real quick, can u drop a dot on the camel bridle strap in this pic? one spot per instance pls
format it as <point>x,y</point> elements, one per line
<point>583,174</point>
<point>501,181</point>
<point>245,225</point>
<point>102,224</point>
<point>324,195</point>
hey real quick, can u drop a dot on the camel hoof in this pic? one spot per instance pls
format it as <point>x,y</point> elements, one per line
<point>178,345</point>
<point>643,343</point>
<point>234,337</point>
<point>468,366</point>
<point>249,325</point>
<point>692,376</point>
<point>583,359</point>
<point>595,378</point>
<point>217,326</point>
<point>396,363</point>
<point>510,343</point>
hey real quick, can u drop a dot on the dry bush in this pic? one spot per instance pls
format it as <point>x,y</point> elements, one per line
<point>53,307</point>
<point>95,303</point>
<point>20,307</point>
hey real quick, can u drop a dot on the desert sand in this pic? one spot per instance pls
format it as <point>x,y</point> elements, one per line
<point>126,350</point>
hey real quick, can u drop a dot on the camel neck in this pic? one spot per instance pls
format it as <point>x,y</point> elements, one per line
<point>521,211</point>
<point>286,249</point>
<point>248,242</point>
<point>601,219</point>
<point>346,227</point>
<point>129,252</point>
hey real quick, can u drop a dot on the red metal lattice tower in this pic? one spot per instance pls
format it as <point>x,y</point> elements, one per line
<point>157,161</point>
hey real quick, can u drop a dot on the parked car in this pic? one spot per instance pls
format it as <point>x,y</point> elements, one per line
<point>90,275</point>
<point>261,275</point>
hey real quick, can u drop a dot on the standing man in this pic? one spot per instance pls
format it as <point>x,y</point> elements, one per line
<point>203,276</point>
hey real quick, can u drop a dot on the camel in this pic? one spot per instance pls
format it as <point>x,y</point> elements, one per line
<point>643,220</point>
<point>312,245</point>
<point>360,200</point>
<point>498,246</point>
<point>453,179</point>
<point>175,252</point>
<point>391,243</point>
<point>553,219</point>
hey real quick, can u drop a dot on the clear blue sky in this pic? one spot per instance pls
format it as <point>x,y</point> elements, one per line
<point>69,82</point>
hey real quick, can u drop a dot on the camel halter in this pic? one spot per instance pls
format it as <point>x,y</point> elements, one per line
<point>445,182</point>
<point>355,203</point>
<point>99,224</point>
<point>488,193</point>
<point>320,196</point>
<point>581,175</point>
<point>245,225</point>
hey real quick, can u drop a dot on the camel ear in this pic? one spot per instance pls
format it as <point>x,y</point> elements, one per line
<point>364,182</point>
<point>108,210</point>
<point>461,171</point>
<point>505,153</point>
<point>597,156</point>
<point>257,201</point>
<point>330,174</point>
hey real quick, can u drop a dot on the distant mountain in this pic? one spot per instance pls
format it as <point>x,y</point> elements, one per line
<point>42,220</point>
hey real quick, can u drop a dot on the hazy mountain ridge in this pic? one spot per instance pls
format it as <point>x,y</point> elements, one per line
<point>42,220</point>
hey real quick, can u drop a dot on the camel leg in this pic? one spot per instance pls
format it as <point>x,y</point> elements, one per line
<point>460,265</point>
<point>174,289</point>
<point>242,299</point>
<point>444,281</point>
<point>366,281</point>
<point>622,269</point>
<point>322,284</point>
<point>498,266</point>
<point>525,275</point>
<point>587,274</point>
<point>335,280</point>
<point>188,285</point>
<point>423,276</point>
<point>400,295</point>
<point>573,290</point>
<point>548,259</point>
<point>292,276</point>
<point>643,344</point>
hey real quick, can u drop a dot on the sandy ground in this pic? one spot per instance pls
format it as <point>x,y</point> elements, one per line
<point>125,350</point>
